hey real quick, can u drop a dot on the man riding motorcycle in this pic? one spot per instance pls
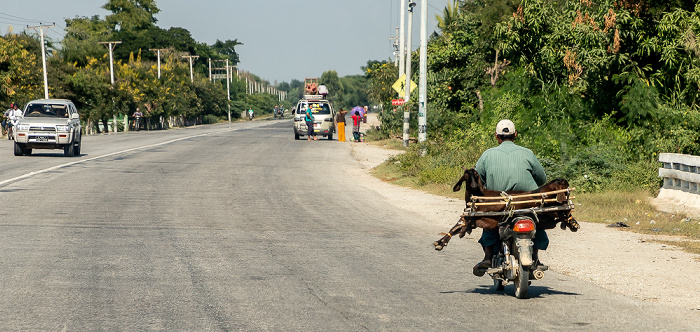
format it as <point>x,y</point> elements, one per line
<point>504,168</point>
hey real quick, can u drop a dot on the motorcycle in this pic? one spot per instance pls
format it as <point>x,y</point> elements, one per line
<point>11,128</point>
<point>514,261</point>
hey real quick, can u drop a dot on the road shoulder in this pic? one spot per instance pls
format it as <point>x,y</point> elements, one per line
<point>623,262</point>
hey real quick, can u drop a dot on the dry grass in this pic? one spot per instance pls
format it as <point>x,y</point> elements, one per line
<point>631,208</point>
<point>389,143</point>
<point>634,209</point>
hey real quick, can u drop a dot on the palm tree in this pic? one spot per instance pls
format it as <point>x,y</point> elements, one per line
<point>449,15</point>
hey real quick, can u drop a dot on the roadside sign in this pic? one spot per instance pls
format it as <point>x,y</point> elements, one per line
<point>398,102</point>
<point>400,86</point>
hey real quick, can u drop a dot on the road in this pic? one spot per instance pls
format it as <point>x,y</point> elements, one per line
<point>238,227</point>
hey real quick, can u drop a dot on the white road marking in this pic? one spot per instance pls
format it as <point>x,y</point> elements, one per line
<point>28,175</point>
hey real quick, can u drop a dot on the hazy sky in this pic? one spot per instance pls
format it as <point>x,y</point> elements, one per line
<point>282,39</point>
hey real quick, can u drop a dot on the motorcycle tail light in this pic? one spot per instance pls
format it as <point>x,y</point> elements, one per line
<point>524,226</point>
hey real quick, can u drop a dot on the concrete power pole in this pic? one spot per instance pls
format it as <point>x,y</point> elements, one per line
<point>407,89</point>
<point>402,41</point>
<point>111,45</point>
<point>157,50</point>
<point>191,58</point>
<point>228,88</point>
<point>43,55</point>
<point>422,85</point>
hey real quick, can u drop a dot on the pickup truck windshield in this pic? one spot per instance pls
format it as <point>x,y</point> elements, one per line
<point>46,111</point>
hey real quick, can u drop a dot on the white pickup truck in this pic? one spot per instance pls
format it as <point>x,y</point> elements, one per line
<point>48,124</point>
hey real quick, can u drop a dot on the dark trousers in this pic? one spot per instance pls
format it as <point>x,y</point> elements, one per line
<point>310,128</point>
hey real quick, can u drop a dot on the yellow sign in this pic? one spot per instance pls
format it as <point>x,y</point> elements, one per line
<point>400,86</point>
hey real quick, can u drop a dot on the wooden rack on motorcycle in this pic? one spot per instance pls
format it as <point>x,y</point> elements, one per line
<point>509,204</point>
<point>490,212</point>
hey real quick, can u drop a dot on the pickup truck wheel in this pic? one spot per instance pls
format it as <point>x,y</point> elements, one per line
<point>27,151</point>
<point>69,150</point>
<point>77,148</point>
<point>19,150</point>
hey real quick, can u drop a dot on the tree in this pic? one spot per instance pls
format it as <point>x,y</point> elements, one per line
<point>335,87</point>
<point>20,69</point>
<point>450,14</point>
<point>131,15</point>
<point>228,49</point>
<point>81,40</point>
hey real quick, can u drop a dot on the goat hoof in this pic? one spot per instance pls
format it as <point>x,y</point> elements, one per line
<point>574,227</point>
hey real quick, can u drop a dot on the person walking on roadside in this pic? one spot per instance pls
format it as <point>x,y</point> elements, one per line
<point>356,119</point>
<point>309,119</point>
<point>364,114</point>
<point>340,120</point>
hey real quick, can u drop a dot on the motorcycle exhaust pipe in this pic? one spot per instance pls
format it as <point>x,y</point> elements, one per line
<point>538,274</point>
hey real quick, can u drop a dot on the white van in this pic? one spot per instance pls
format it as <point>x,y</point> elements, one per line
<point>324,116</point>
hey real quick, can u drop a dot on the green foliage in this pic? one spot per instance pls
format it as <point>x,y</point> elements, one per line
<point>131,15</point>
<point>336,91</point>
<point>596,89</point>
<point>20,69</point>
<point>355,91</point>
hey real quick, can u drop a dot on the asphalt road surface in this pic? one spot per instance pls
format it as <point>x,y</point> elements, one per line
<point>238,227</point>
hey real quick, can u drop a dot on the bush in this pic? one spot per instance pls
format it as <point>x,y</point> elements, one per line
<point>210,119</point>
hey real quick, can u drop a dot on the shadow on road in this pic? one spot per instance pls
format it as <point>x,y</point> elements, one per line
<point>533,291</point>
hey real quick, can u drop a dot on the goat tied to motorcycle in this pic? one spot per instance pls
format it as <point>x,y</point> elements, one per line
<point>484,208</point>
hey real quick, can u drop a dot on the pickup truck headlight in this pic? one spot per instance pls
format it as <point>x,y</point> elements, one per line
<point>23,127</point>
<point>62,128</point>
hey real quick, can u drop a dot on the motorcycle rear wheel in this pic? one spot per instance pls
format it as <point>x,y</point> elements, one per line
<point>522,280</point>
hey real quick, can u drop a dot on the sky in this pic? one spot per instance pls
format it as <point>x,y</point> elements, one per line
<point>282,39</point>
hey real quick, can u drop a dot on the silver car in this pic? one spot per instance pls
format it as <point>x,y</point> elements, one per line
<point>48,124</point>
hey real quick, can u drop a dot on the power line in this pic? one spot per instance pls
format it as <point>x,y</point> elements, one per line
<point>20,19</point>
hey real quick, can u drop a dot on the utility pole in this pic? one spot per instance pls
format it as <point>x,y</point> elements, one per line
<point>402,42</point>
<point>422,81</point>
<point>43,55</point>
<point>158,51</point>
<point>407,89</point>
<point>191,58</point>
<point>395,44</point>
<point>111,45</point>
<point>228,88</point>
<point>227,78</point>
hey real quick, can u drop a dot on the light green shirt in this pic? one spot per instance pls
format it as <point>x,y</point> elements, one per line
<point>510,167</point>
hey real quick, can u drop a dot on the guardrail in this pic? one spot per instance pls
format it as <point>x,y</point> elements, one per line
<point>681,189</point>
<point>680,172</point>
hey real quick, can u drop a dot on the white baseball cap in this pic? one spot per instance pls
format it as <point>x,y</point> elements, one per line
<point>505,127</point>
